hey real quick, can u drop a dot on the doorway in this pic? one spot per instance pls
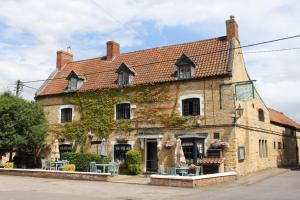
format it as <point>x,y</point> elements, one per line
<point>151,155</point>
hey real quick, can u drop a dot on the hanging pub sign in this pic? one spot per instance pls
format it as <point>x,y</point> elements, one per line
<point>244,91</point>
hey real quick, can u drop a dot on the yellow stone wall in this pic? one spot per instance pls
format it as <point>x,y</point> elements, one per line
<point>217,114</point>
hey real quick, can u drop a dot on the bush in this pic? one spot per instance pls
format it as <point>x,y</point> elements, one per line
<point>9,165</point>
<point>70,167</point>
<point>133,162</point>
<point>82,160</point>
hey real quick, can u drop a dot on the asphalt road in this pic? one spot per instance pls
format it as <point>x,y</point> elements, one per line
<point>284,186</point>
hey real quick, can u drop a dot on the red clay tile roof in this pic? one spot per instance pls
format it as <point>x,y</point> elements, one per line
<point>211,161</point>
<point>280,118</point>
<point>151,66</point>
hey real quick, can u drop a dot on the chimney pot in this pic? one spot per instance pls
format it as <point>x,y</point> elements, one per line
<point>112,50</point>
<point>232,29</point>
<point>63,58</point>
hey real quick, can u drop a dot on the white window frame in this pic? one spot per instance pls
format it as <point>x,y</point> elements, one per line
<point>65,106</point>
<point>188,96</point>
<point>115,110</point>
<point>113,143</point>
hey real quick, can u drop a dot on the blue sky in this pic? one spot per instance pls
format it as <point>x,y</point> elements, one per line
<point>32,31</point>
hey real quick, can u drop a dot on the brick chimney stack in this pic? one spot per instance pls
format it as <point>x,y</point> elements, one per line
<point>63,58</point>
<point>232,29</point>
<point>112,50</point>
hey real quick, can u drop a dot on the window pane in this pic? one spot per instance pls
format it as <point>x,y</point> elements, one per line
<point>193,150</point>
<point>123,111</point>
<point>184,72</point>
<point>123,78</point>
<point>120,151</point>
<point>191,106</point>
<point>261,115</point>
<point>66,115</point>
<point>73,83</point>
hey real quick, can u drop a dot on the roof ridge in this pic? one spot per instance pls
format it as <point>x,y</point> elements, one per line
<point>180,44</point>
<point>142,50</point>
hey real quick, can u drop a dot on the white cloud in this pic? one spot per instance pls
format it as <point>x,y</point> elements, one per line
<point>42,27</point>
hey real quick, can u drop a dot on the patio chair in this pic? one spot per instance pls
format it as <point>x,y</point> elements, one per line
<point>64,162</point>
<point>171,171</point>
<point>46,164</point>
<point>162,170</point>
<point>93,168</point>
<point>117,167</point>
<point>113,168</point>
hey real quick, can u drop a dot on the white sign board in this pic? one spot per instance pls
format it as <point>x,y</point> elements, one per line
<point>244,92</point>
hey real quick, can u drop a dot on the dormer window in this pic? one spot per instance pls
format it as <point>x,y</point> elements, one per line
<point>185,67</point>
<point>74,81</point>
<point>125,74</point>
<point>123,78</point>
<point>184,72</point>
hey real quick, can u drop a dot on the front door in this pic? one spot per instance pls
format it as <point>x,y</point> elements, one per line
<point>151,155</point>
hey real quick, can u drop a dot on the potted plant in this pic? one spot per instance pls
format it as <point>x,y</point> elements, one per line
<point>219,145</point>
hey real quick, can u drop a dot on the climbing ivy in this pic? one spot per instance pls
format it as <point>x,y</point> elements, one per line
<point>97,110</point>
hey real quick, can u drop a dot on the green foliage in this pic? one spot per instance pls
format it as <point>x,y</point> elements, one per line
<point>173,120</point>
<point>82,160</point>
<point>133,162</point>
<point>97,110</point>
<point>23,124</point>
<point>70,167</point>
<point>9,165</point>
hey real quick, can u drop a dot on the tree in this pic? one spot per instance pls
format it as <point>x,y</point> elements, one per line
<point>23,125</point>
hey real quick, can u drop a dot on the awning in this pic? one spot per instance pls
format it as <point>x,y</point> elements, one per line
<point>212,161</point>
<point>190,135</point>
<point>150,135</point>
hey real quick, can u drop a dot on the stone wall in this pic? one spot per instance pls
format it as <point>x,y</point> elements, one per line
<point>196,181</point>
<point>56,174</point>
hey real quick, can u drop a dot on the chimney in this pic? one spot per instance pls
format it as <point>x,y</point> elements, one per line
<point>112,50</point>
<point>63,58</point>
<point>232,29</point>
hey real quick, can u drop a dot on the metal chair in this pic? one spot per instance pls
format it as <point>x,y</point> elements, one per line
<point>64,162</point>
<point>162,170</point>
<point>93,168</point>
<point>171,171</point>
<point>46,164</point>
<point>113,168</point>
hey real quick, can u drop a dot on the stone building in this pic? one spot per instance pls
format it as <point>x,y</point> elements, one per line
<point>210,100</point>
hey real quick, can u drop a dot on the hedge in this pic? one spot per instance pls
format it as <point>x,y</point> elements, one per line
<point>82,160</point>
<point>133,162</point>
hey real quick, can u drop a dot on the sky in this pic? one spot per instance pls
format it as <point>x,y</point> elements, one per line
<point>32,31</point>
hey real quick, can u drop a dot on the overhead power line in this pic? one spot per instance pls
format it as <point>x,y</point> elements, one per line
<point>196,55</point>
<point>272,50</point>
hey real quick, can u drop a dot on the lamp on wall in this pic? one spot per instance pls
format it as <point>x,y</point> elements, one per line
<point>239,111</point>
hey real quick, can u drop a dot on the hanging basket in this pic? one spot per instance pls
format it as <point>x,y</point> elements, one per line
<point>168,144</point>
<point>122,140</point>
<point>219,145</point>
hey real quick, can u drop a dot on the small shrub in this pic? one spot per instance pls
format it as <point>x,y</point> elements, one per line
<point>133,162</point>
<point>70,167</point>
<point>82,160</point>
<point>9,165</point>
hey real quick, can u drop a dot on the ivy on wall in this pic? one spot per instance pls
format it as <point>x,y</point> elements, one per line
<point>97,110</point>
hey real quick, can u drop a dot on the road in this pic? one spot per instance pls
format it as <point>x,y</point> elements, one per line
<point>283,186</point>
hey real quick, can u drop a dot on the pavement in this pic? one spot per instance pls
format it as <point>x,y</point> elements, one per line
<point>283,184</point>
